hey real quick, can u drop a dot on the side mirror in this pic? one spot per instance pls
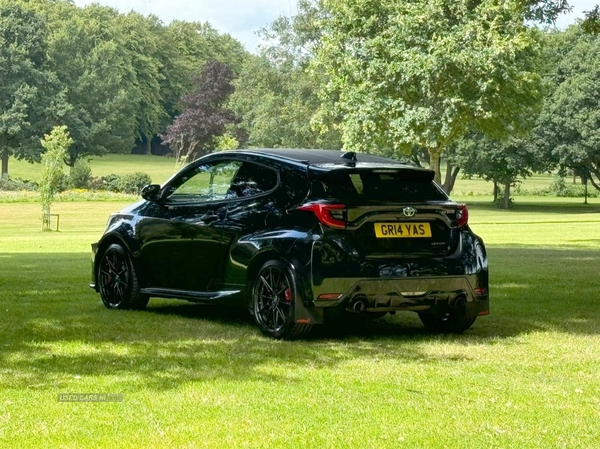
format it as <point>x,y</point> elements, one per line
<point>151,192</point>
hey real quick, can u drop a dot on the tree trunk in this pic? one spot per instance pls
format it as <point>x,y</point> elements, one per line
<point>451,175</point>
<point>496,189</point>
<point>148,145</point>
<point>4,162</point>
<point>506,196</point>
<point>434,164</point>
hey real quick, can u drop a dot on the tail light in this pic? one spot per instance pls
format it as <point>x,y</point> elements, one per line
<point>462,215</point>
<point>331,215</point>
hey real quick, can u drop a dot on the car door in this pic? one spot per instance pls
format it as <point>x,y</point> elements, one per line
<point>252,208</point>
<point>181,237</point>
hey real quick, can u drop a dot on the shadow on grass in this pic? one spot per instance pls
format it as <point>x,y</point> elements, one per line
<point>53,327</point>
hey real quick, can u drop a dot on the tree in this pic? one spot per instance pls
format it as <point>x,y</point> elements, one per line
<point>568,130</point>
<point>204,117</point>
<point>88,55</point>
<point>501,162</point>
<point>422,73</point>
<point>27,88</point>
<point>277,106</point>
<point>276,93</point>
<point>56,145</point>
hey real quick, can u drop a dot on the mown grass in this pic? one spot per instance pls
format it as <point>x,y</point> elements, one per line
<point>193,376</point>
<point>160,168</point>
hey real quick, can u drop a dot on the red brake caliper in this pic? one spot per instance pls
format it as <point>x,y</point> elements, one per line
<point>288,294</point>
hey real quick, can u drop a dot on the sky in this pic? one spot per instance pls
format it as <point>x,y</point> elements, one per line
<point>243,18</point>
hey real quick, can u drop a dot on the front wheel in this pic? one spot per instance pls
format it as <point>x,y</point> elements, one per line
<point>274,294</point>
<point>117,280</point>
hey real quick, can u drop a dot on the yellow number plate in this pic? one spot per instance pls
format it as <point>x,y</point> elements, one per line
<point>396,230</point>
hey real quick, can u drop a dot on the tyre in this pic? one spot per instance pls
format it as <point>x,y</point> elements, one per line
<point>273,297</point>
<point>452,320</point>
<point>118,281</point>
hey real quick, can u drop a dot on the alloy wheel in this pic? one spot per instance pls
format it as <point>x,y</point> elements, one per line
<point>273,299</point>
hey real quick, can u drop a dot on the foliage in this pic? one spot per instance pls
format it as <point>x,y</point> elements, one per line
<point>80,176</point>
<point>56,145</point>
<point>226,142</point>
<point>130,183</point>
<point>205,116</point>
<point>277,95</point>
<point>568,130</point>
<point>28,96</point>
<point>15,184</point>
<point>501,162</point>
<point>278,105</point>
<point>424,73</point>
<point>133,183</point>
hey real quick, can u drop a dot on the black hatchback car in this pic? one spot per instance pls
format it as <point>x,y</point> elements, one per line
<point>300,238</point>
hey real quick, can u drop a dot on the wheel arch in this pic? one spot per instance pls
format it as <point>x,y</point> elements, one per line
<point>103,245</point>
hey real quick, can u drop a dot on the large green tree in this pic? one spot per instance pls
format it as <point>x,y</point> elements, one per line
<point>423,73</point>
<point>568,130</point>
<point>88,54</point>
<point>276,93</point>
<point>28,95</point>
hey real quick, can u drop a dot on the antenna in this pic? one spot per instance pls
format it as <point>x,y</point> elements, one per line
<point>350,157</point>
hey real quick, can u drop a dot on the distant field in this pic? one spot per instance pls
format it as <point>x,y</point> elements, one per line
<point>160,168</point>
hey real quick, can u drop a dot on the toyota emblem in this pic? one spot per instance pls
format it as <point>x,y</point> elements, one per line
<point>409,211</point>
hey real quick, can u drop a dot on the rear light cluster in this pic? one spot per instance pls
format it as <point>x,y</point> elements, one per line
<point>331,215</point>
<point>462,215</point>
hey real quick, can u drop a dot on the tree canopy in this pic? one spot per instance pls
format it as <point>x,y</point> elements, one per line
<point>113,79</point>
<point>424,73</point>
<point>27,87</point>
<point>205,115</point>
<point>568,131</point>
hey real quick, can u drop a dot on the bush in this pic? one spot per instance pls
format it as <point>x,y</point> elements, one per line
<point>131,183</point>
<point>561,189</point>
<point>111,182</point>
<point>81,175</point>
<point>8,183</point>
<point>135,182</point>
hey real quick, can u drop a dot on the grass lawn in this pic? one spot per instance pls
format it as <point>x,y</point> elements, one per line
<point>527,376</point>
<point>160,168</point>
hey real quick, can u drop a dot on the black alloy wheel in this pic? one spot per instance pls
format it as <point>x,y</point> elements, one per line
<point>273,297</point>
<point>117,280</point>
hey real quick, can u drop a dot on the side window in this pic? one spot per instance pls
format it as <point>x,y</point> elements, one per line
<point>210,182</point>
<point>253,179</point>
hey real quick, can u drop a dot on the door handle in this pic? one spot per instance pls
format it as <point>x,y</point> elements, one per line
<point>212,216</point>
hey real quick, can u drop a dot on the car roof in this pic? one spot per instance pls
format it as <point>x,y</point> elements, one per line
<point>320,157</point>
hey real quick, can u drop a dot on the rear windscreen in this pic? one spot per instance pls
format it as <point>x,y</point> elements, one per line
<point>379,185</point>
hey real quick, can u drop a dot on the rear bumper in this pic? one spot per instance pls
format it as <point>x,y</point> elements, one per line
<point>396,294</point>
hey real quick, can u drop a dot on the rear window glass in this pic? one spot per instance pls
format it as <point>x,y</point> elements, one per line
<point>385,185</point>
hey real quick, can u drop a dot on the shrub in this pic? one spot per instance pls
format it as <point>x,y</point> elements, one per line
<point>81,175</point>
<point>8,183</point>
<point>131,183</point>
<point>111,182</point>
<point>561,189</point>
<point>135,182</point>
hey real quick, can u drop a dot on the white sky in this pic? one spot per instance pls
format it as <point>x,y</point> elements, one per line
<point>242,18</point>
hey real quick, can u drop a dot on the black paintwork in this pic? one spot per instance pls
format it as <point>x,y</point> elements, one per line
<point>210,251</point>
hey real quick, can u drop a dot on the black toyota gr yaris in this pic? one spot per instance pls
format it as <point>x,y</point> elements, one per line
<point>300,238</point>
